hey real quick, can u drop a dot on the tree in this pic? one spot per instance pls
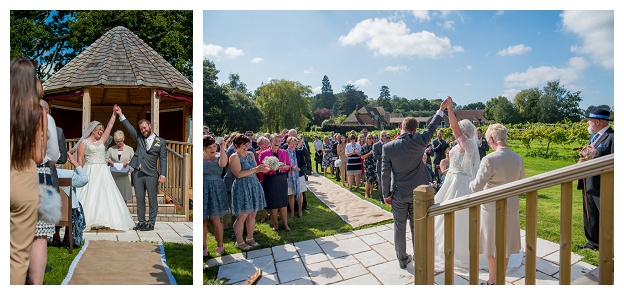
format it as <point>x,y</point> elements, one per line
<point>501,110</point>
<point>350,99</point>
<point>217,104</point>
<point>326,99</point>
<point>474,106</point>
<point>567,102</point>
<point>384,98</point>
<point>284,103</point>
<point>243,106</point>
<point>236,84</point>
<point>53,38</point>
<point>320,115</point>
<point>526,102</point>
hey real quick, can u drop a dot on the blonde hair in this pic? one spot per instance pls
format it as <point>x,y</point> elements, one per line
<point>118,135</point>
<point>498,133</point>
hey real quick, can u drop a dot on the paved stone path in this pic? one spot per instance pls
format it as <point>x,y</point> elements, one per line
<point>175,232</point>
<point>362,257</point>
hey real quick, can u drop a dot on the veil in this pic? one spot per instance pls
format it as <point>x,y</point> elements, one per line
<point>471,159</point>
<point>87,133</point>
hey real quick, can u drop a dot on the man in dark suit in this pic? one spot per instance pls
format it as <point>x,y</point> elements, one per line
<point>150,149</point>
<point>602,140</point>
<point>377,148</point>
<point>402,161</point>
<point>482,144</point>
<point>439,153</point>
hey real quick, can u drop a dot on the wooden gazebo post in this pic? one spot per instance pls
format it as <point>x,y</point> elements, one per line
<point>155,109</point>
<point>86,108</point>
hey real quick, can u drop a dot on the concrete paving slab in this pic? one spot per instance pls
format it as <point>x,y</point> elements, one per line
<point>259,253</point>
<point>390,273</point>
<point>457,280</point>
<point>372,239</point>
<point>323,273</point>
<point>291,270</point>
<point>540,279</point>
<point>545,248</point>
<point>324,240</point>
<point>314,258</point>
<point>236,272</point>
<point>388,235</point>
<point>308,247</point>
<point>285,252</point>
<point>370,230</point>
<point>353,271</point>
<point>367,279</point>
<point>578,270</point>
<point>345,247</point>
<point>226,259</point>
<point>386,250</point>
<point>554,257</point>
<point>343,261</point>
<point>370,258</point>
<point>268,279</point>
<point>344,236</point>
<point>300,282</point>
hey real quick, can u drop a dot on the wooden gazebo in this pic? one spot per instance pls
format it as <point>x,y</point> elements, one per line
<point>120,68</point>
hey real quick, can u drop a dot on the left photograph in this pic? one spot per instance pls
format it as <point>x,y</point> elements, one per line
<point>101,147</point>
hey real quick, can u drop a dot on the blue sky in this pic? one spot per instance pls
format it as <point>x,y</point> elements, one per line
<point>470,55</point>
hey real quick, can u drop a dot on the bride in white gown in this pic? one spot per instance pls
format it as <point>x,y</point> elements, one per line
<point>102,202</point>
<point>464,164</point>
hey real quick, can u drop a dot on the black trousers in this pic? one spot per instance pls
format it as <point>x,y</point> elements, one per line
<point>591,222</point>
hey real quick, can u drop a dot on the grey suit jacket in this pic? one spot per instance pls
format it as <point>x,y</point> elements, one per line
<point>148,159</point>
<point>402,160</point>
<point>377,149</point>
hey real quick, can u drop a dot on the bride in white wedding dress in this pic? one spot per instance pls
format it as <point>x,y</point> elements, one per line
<point>101,201</point>
<point>464,165</point>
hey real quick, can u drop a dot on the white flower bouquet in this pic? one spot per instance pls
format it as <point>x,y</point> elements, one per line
<point>272,162</point>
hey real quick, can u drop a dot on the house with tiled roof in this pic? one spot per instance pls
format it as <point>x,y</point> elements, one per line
<point>373,116</point>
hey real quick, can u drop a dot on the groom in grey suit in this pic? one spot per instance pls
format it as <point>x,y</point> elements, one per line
<point>401,160</point>
<point>150,149</point>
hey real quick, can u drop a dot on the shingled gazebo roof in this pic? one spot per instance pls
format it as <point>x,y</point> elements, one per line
<point>118,59</point>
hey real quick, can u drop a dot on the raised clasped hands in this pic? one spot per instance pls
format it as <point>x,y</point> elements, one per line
<point>117,110</point>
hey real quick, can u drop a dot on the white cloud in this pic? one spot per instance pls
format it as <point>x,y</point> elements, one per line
<point>395,69</point>
<point>445,13</point>
<point>308,71</point>
<point>360,82</point>
<point>395,39</point>
<point>469,67</point>
<point>257,60</point>
<point>499,13</point>
<point>519,49</point>
<point>422,15</point>
<point>211,50</point>
<point>510,93</point>
<point>317,89</point>
<point>533,77</point>
<point>595,28</point>
<point>447,25</point>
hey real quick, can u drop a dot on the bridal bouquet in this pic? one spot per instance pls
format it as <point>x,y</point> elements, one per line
<point>271,162</point>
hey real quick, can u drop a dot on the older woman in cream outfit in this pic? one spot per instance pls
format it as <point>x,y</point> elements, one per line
<point>121,153</point>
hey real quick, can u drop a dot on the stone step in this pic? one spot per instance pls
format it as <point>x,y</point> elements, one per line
<point>161,199</point>
<point>162,208</point>
<point>162,217</point>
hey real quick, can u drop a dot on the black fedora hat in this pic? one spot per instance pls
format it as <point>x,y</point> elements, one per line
<point>598,113</point>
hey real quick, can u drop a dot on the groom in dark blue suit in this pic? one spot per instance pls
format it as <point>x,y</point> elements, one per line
<point>602,140</point>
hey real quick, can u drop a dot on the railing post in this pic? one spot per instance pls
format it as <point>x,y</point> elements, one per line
<point>605,233</point>
<point>186,181</point>
<point>531,239</point>
<point>565,244</point>
<point>423,235</point>
<point>449,248</point>
<point>474,235</point>
<point>501,240</point>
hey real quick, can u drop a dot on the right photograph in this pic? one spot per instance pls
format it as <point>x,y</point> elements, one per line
<point>378,147</point>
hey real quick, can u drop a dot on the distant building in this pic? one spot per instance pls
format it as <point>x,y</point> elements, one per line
<point>374,116</point>
<point>477,117</point>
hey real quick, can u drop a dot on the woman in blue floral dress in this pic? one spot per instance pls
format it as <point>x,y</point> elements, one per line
<point>215,195</point>
<point>247,193</point>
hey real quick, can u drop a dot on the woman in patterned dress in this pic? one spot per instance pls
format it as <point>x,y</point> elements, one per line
<point>215,195</point>
<point>370,166</point>
<point>327,155</point>
<point>247,193</point>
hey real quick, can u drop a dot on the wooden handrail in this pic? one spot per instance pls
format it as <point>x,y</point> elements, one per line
<point>425,211</point>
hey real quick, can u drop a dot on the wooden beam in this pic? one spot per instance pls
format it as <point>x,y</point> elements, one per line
<point>605,233</point>
<point>565,244</point>
<point>530,259</point>
<point>501,240</point>
<point>155,110</point>
<point>86,108</point>
<point>449,248</point>
<point>474,235</point>
<point>423,235</point>
<point>186,123</point>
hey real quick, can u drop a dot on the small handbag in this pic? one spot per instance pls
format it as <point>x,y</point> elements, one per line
<point>49,198</point>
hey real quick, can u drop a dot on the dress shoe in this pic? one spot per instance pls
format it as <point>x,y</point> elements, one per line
<point>587,246</point>
<point>407,261</point>
<point>147,227</point>
<point>139,226</point>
